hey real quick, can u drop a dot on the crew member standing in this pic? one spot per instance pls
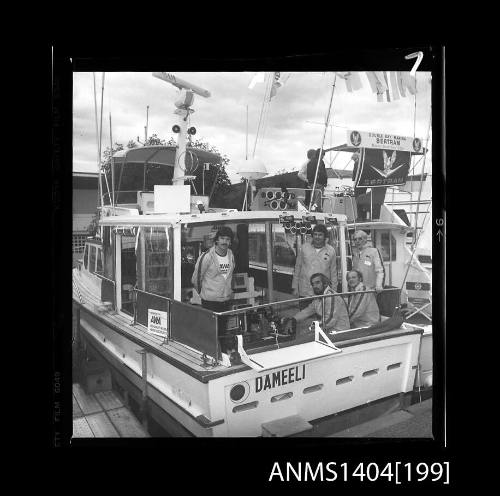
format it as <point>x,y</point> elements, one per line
<point>314,257</point>
<point>213,273</point>
<point>302,174</point>
<point>321,179</point>
<point>368,261</point>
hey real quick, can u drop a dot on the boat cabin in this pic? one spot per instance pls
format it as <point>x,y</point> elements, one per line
<point>141,265</point>
<point>146,263</point>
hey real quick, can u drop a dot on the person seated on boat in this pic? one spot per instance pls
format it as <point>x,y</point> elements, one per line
<point>213,273</point>
<point>317,256</point>
<point>336,317</point>
<point>368,261</point>
<point>362,307</point>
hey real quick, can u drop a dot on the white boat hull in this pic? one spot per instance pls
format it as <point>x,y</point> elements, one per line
<point>360,374</point>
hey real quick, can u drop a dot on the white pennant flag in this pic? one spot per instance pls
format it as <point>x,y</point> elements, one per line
<point>277,83</point>
<point>352,80</point>
<point>408,81</point>
<point>258,78</point>
<point>394,85</point>
<point>377,83</point>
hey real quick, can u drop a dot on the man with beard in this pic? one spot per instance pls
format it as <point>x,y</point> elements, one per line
<point>335,310</point>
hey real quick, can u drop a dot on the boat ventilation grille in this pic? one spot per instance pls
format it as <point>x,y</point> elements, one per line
<point>344,380</point>
<point>281,397</point>
<point>246,406</point>
<point>393,366</point>
<point>370,372</point>
<point>311,389</point>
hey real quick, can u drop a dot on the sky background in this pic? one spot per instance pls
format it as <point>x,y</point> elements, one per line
<point>221,119</point>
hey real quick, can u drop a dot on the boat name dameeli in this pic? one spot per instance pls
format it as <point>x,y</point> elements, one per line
<point>280,378</point>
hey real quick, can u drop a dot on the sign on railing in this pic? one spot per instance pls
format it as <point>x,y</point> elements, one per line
<point>152,312</point>
<point>158,322</point>
<point>194,326</point>
<point>191,325</point>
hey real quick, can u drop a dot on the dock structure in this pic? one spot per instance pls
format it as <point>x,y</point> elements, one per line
<point>103,415</point>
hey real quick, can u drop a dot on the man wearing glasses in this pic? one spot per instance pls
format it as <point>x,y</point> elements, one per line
<point>368,261</point>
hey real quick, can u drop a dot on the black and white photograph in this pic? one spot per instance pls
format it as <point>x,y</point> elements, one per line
<point>252,251</point>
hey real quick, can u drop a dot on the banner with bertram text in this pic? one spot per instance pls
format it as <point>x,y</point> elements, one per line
<point>382,168</point>
<point>364,139</point>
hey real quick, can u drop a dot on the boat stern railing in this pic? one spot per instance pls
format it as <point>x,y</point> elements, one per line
<point>278,314</point>
<point>200,329</point>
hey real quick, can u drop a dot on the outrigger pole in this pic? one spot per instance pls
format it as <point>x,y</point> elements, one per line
<point>100,198</point>
<point>98,136</point>
<point>327,123</point>
<point>415,240</point>
<point>422,177</point>
<point>112,166</point>
<point>264,101</point>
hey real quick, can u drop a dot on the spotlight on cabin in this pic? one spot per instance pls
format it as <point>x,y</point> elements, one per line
<point>192,130</point>
<point>176,129</point>
<point>200,206</point>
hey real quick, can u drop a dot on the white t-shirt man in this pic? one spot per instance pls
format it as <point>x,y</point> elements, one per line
<point>223,264</point>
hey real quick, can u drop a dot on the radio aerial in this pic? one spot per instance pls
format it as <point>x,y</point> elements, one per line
<point>183,104</point>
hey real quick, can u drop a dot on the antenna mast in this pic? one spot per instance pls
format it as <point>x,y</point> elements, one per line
<point>186,100</point>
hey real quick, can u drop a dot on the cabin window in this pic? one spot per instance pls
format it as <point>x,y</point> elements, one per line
<point>85,257</point>
<point>79,242</point>
<point>99,261</point>
<point>388,251</point>
<point>348,250</point>
<point>155,261</point>
<point>284,247</point>
<point>257,244</point>
<point>128,272</point>
<point>92,258</point>
<point>425,259</point>
<point>199,238</point>
<point>107,244</point>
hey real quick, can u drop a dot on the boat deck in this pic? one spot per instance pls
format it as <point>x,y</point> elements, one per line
<point>186,358</point>
<point>138,333</point>
<point>103,415</point>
